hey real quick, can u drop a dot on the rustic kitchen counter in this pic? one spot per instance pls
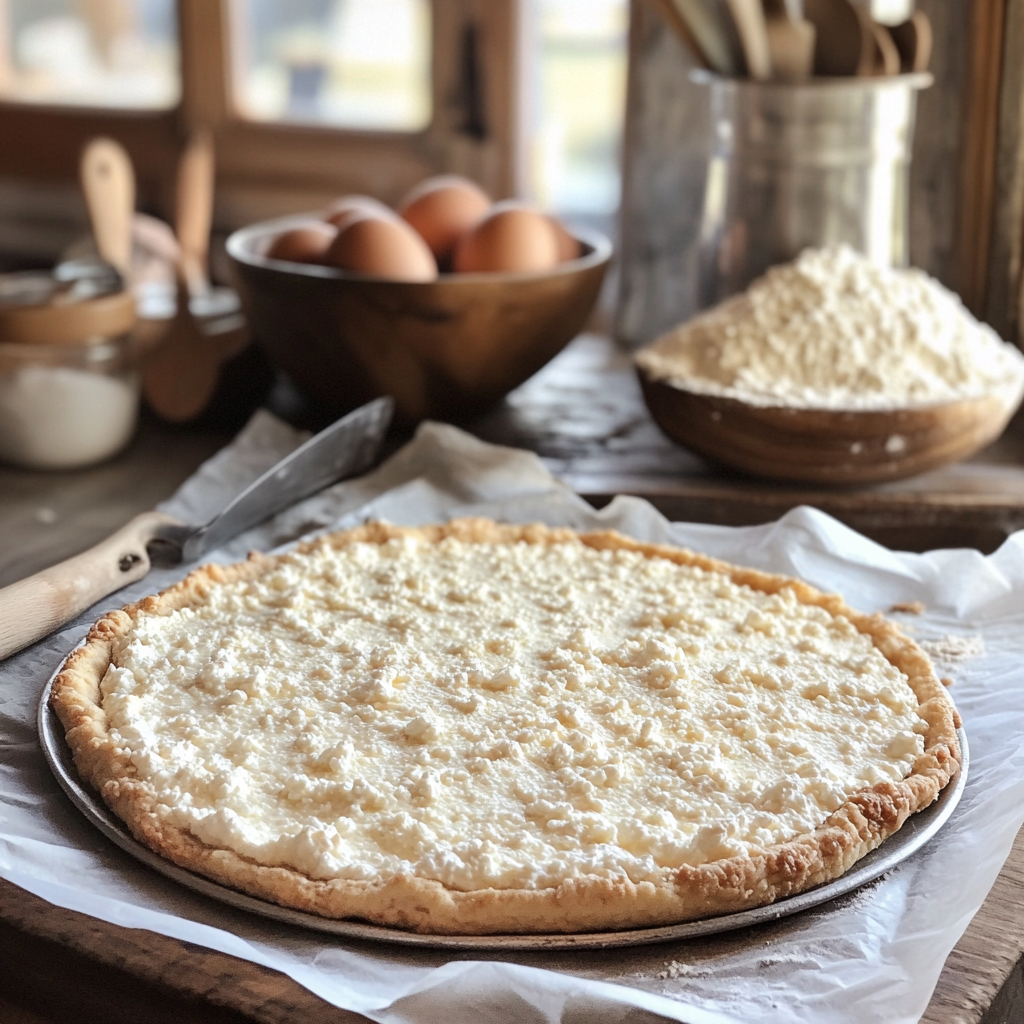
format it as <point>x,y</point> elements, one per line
<point>583,414</point>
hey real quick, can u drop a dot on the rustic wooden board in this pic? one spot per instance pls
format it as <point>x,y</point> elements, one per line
<point>54,515</point>
<point>981,964</point>
<point>585,416</point>
<point>194,974</point>
<point>988,958</point>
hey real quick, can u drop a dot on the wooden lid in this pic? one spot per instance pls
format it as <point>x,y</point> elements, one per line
<point>73,323</point>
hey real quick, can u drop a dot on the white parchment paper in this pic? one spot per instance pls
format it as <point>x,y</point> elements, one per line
<point>874,955</point>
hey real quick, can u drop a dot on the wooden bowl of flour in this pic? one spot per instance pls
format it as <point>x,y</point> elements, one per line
<point>834,369</point>
<point>826,446</point>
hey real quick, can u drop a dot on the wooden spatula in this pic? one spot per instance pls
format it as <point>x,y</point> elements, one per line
<point>108,182</point>
<point>913,39</point>
<point>180,376</point>
<point>844,44</point>
<point>790,40</point>
<point>193,210</point>
<point>749,19</point>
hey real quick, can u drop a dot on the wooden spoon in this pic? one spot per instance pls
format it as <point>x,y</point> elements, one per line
<point>706,28</point>
<point>749,19</point>
<point>193,210</point>
<point>790,41</point>
<point>844,44</point>
<point>180,375</point>
<point>913,39</point>
<point>887,56</point>
<point>108,182</point>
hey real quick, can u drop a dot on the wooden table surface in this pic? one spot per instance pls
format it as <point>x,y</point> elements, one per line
<point>583,414</point>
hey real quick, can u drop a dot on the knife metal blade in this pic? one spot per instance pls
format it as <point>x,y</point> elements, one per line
<point>34,607</point>
<point>343,449</point>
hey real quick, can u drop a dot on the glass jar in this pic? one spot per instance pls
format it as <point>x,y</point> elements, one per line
<point>69,382</point>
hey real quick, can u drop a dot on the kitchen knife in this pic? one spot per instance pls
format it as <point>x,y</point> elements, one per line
<point>36,606</point>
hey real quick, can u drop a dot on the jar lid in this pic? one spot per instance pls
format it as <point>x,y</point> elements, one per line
<point>72,323</point>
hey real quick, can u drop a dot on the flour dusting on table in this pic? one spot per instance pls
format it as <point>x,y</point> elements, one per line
<point>952,648</point>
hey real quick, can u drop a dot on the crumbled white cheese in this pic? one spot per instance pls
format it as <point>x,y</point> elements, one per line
<point>835,330</point>
<point>503,715</point>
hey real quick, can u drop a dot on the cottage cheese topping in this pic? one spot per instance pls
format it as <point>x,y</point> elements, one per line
<point>506,715</point>
<point>834,330</point>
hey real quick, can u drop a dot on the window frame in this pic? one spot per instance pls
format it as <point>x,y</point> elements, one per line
<point>266,168</point>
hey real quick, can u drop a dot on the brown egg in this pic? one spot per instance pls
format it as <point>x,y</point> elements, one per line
<point>306,244</point>
<point>512,238</point>
<point>568,246</point>
<point>443,209</point>
<point>384,247</point>
<point>344,208</point>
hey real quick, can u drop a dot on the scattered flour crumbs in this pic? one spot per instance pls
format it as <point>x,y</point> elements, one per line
<point>953,649</point>
<point>833,330</point>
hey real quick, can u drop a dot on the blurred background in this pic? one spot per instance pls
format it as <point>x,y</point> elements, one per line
<point>347,69</point>
<point>309,99</point>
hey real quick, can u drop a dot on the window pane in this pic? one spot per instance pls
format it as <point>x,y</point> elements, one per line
<point>99,53</point>
<point>578,99</point>
<point>349,63</point>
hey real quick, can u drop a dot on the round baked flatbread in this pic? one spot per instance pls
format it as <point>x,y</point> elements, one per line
<point>477,728</point>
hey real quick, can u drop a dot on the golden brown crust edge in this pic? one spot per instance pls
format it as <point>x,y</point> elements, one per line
<point>406,901</point>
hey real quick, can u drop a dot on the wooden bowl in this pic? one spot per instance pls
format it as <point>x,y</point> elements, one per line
<point>444,349</point>
<point>825,445</point>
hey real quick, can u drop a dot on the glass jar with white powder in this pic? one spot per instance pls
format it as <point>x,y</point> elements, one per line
<point>69,382</point>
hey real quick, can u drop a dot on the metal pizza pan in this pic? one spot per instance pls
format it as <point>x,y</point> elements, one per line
<point>916,831</point>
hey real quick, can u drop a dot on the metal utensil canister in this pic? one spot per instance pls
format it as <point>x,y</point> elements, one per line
<point>793,165</point>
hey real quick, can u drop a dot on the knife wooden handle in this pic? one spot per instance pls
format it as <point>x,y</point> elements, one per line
<point>36,606</point>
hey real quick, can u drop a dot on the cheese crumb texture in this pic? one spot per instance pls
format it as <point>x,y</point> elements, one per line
<point>502,715</point>
<point>833,330</point>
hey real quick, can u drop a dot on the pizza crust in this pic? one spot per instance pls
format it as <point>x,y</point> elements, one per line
<point>576,905</point>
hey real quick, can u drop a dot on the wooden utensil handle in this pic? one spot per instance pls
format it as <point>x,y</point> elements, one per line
<point>108,180</point>
<point>194,208</point>
<point>34,607</point>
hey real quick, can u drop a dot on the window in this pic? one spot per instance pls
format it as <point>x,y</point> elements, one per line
<point>101,53</point>
<point>577,83</point>
<point>309,99</point>
<point>306,100</point>
<point>342,63</point>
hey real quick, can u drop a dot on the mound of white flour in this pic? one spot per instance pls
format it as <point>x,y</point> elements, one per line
<point>833,330</point>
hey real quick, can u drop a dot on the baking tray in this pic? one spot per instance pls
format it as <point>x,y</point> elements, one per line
<point>918,829</point>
